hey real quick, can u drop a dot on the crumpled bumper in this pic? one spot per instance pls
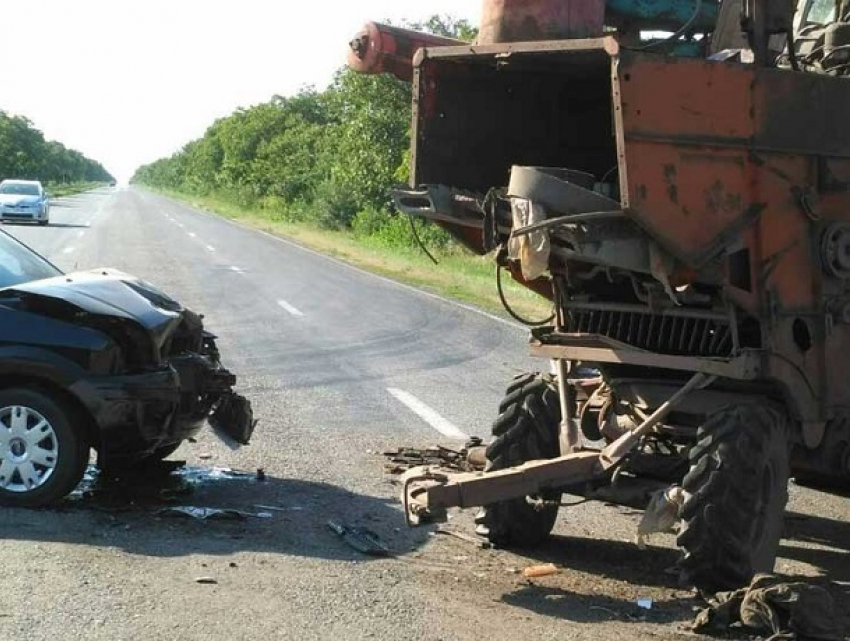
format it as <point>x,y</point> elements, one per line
<point>140,413</point>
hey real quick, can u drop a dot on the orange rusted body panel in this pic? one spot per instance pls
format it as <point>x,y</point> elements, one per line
<point>734,170</point>
<point>717,158</point>
<point>526,20</point>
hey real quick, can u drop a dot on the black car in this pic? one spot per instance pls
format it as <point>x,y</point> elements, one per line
<point>102,360</point>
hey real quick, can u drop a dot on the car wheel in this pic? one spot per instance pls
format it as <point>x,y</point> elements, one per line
<point>43,454</point>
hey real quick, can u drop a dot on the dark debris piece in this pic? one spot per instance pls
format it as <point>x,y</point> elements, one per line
<point>404,458</point>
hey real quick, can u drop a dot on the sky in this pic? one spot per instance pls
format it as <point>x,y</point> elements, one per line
<point>127,82</point>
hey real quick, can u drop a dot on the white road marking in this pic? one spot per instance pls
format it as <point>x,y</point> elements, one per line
<point>67,250</point>
<point>180,225</point>
<point>292,310</point>
<point>386,279</point>
<point>80,234</point>
<point>428,415</point>
<point>236,269</point>
<point>210,248</point>
<point>341,263</point>
<point>192,234</point>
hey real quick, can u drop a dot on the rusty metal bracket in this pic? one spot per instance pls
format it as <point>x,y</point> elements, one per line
<point>418,511</point>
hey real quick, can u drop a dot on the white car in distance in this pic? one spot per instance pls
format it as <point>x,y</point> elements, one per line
<point>24,200</point>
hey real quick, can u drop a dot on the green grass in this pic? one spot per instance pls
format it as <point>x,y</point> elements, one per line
<point>459,275</point>
<point>58,190</point>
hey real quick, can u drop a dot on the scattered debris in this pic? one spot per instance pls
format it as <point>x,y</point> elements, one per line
<point>206,580</point>
<point>209,513</point>
<point>661,515</point>
<point>476,541</point>
<point>277,508</point>
<point>468,459</point>
<point>769,604</point>
<point>644,603</point>
<point>361,539</point>
<point>535,571</point>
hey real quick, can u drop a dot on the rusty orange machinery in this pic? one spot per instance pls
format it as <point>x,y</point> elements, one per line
<point>749,168</point>
<point>379,48</point>
<point>734,169</point>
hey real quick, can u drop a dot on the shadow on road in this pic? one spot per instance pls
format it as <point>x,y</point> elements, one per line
<point>611,559</point>
<point>69,225</point>
<point>127,516</point>
<point>564,604</point>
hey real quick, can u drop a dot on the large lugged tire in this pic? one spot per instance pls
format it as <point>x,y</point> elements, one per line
<point>43,454</point>
<point>737,488</point>
<point>526,429</point>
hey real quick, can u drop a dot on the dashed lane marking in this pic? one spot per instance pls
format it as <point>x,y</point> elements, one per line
<point>289,308</point>
<point>442,425</point>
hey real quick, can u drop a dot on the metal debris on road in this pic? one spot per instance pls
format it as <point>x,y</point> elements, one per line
<point>661,515</point>
<point>476,541</point>
<point>468,459</point>
<point>277,508</point>
<point>535,571</point>
<point>361,539</point>
<point>209,513</point>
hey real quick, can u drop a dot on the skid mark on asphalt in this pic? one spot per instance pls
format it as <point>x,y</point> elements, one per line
<point>289,308</point>
<point>430,416</point>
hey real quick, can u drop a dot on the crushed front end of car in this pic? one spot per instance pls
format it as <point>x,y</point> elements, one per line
<point>116,365</point>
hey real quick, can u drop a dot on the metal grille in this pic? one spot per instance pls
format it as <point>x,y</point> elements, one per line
<point>669,333</point>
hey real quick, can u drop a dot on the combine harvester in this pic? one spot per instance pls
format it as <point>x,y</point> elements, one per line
<point>684,202</point>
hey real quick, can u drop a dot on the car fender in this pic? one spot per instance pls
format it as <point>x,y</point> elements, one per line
<point>27,362</point>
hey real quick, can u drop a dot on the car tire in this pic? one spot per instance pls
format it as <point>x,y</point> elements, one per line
<point>43,452</point>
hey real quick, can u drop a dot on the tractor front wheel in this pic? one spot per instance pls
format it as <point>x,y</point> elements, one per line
<point>525,430</point>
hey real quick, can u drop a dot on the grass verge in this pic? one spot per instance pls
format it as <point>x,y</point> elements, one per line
<point>459,275</point>
<point>62,190</point>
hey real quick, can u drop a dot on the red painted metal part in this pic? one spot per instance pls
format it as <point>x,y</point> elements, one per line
<point>527,20</point>
<point>380,48</point>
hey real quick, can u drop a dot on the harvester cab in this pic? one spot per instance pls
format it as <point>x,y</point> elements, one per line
<point>675,177</point>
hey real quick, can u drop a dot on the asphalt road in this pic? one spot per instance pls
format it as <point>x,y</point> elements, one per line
<point>340,365</point>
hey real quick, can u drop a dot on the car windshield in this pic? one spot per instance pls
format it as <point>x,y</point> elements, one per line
<point>19,264</point>
<point>20,189</point>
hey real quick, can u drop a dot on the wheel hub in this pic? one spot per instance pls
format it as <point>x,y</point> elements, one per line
<point>29,449</point>
<point>18,450</point>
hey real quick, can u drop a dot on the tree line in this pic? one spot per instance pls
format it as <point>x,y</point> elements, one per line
<point>25,154</point>
<point>327,157</point>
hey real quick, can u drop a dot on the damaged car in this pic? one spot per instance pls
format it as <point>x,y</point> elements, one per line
<point>99,360</point>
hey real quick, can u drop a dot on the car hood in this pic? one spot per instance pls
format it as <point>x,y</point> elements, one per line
<point>18,199</point>
<point>111,293</point>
